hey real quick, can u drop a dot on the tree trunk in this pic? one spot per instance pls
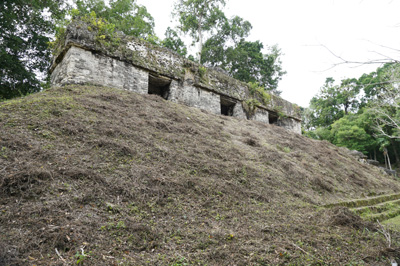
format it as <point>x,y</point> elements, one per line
<point>390,165</point>
<point>385,157</point>
<point>200,44</point>
<point>346,108</point>
<point>396,154</point>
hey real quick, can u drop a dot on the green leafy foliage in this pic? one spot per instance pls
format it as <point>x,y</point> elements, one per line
<point>244,60</point>
<point>259,92</point>
<point>106,34</point>
<point>375,82</point>
<point>247,63</point>
<point>80,257</point>
<point>333,102</point>
<point>349,132</point>
<point>250,106</point>
<point>385,104</point>
<point>202,72</point>
<point>231,32</point>
<point>126,15</point>
<point>173,42</point>
<point>222,43</point>
<point>25,27</point>
<point>198,17</point>
<point>361,114</point>
<point>105,30</point>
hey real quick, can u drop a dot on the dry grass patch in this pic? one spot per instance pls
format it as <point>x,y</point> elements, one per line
<point>134,180</point>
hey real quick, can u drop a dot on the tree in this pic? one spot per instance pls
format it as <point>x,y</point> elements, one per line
<point>215,49</point>
<point>382,96</point>
<point>126,15</point>
<point>347,95</point>
<point>361,114</point>
<point>387,111</point>
<point>244,60</point>
<point>173,42</point>
<point>198,17</point>
<point>247,63</point>
<point>25,30</point>
<point>333,102</point>
<point>350,131</point>
<point>376,82</point>
<point>226,46</point>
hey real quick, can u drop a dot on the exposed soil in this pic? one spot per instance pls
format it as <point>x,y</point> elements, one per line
<point>99,176</point>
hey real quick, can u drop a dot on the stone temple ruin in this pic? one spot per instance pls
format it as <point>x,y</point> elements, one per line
<point>86,56</point>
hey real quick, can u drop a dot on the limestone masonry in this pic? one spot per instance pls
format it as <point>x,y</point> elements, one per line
<point>85,56</point>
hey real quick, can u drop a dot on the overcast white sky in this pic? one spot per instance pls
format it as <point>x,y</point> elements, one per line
<point>353,29</point>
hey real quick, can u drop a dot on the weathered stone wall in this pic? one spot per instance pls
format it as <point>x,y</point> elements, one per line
<point>238,111</point>
<point>261,115</point>
<point>80,66</point>
<point>82,59</point>
<point>290,124</point>
<point>196,97</point>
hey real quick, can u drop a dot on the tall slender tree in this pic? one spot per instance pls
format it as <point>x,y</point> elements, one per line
<point>244,60</point>
<point>199,17</point>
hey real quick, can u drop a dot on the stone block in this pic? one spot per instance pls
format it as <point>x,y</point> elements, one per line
<point>261,115</point>
<point>80,66</point>
<point>290,124</point>
<point>238,111</point>
<point>196,97</point>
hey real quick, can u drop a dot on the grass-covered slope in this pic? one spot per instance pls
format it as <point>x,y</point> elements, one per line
<point>100,176</point>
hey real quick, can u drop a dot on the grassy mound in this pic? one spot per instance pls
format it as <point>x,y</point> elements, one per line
<point>98,176</point>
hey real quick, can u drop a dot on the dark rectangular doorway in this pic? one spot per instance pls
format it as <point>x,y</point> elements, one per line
<point>227,106</point>
<point>272,117</point>
<point>159,85</point>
